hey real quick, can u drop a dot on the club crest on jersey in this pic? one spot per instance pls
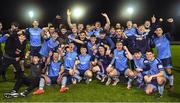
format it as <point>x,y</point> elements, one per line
<point>160,66</point>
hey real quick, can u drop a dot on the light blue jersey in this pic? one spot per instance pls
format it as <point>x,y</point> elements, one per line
<point>35,36</point>
<point>48,46</point>
<point>163,46</point>
<point>121,61</point>
<point>54,69</point>
<point>72,36</point>
<point>97,31</point>
<point>69,60</point>
<point>155,66</point>
<point>130,32</point>
<point>84,62</point>
<point>90,48</point>
<point>142,63</point>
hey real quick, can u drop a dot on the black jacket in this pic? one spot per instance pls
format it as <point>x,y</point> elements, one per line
<point>13,47</point>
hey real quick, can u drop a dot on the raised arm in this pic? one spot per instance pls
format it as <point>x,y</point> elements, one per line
<point>69,18</point>
<point>128,54</point>
<point>45,69</point>
<point>153,26</point>
<point>171,26</point>
<point>24,63</point>
<point>108,23</point>
<point>49,58</point>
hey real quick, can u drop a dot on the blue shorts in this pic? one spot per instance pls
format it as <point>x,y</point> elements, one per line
<point>66,72</point>
<point>53,80</point>
<point>167,62</point>
<point>155,88</point>
<point>34,51</point>
<point>81,72</point>
<point>153,83</point>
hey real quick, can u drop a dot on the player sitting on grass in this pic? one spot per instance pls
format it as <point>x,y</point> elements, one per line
<point>54,72</point>
<point>141,67</point>
<point>121,56</point>
<point>155,78</point>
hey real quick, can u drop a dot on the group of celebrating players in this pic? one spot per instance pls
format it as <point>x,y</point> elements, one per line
<point>69,55</point>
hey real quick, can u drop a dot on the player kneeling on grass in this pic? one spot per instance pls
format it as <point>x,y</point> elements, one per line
<point>83,67</point>
<point>54,72</point>
<point>141,68</point>
<point>32,81</point>
<point>155,79</point>
<point>102,59</point>
<point>121,56</point>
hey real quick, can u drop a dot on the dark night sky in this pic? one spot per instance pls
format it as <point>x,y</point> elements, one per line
<point>15,10</point>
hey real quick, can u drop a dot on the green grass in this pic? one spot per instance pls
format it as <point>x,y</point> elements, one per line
<point>97,92</point>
